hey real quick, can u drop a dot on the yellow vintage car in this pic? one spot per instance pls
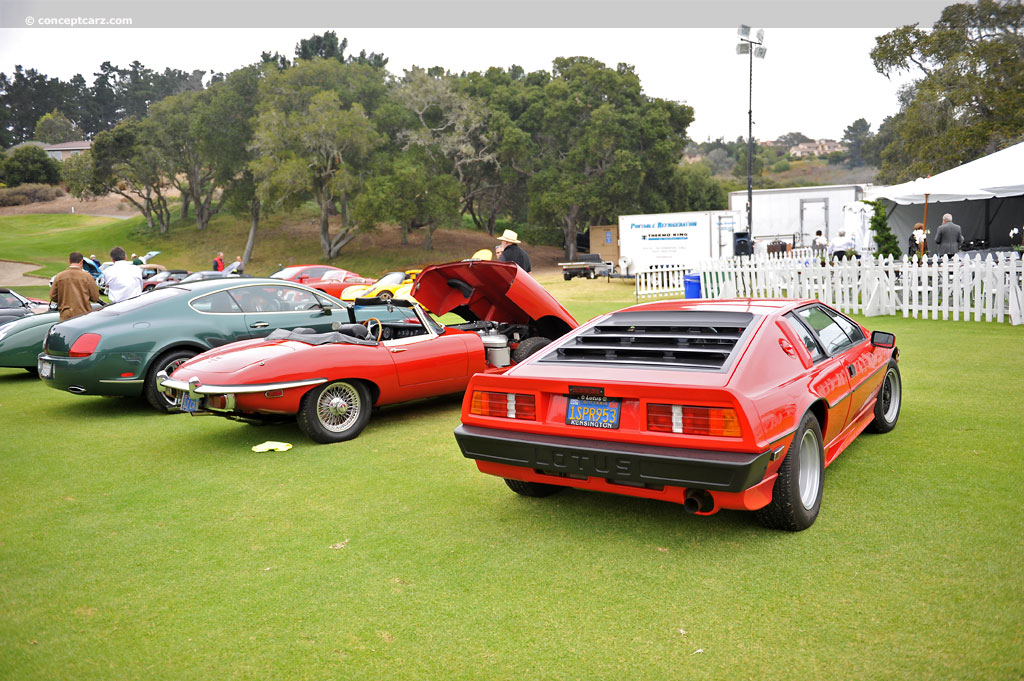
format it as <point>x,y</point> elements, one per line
<point>391,285</point>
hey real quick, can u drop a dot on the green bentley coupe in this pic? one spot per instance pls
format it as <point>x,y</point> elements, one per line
<point>120,349</point>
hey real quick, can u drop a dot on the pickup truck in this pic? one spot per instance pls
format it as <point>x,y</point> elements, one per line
<point>589,265</point>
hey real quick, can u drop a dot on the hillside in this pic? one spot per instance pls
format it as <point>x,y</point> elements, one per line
<point>44,233</point>
<point>803,173</point>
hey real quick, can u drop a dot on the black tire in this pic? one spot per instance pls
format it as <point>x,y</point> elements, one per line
<point>532,489</point>
<point>796,496</point>
<point>890,399</point>
<point>527,347</point>
<point>385,296</point>
<point>591,274</point>
<point>335,412</point>
<point>566,275</point>
<point>169,361</point>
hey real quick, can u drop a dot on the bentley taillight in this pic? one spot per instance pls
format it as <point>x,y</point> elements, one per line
<point>678,418</point>
<point>84,345</point>
<point>504,405</point>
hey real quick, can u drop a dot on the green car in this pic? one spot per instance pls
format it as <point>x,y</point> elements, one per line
<point>21,340</point>
<point>120,349</point>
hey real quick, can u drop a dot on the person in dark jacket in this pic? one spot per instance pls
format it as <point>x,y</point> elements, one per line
<point>508,250</point>
<point>948,237</point>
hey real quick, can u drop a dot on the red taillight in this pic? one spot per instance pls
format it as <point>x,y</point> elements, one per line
<point>504,405</point>
<point>85,345</point>
<point>677,418</point>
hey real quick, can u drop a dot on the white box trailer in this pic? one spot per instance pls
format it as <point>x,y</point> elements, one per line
<point>664,240</point>
<point>794,214</point>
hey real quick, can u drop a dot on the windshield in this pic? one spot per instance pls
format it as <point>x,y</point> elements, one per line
<point>391,278</point>
<point>286,273</point>
<point>200,276</point>
<point>8,299</point>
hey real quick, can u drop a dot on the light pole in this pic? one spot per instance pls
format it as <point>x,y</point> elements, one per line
<point>753,47</point>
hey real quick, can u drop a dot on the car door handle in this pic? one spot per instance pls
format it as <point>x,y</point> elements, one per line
<point>398,349</point>
<point>852,369</point>
<point>259,325</point>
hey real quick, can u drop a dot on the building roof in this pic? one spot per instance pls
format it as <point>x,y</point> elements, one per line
<point>68,146</point>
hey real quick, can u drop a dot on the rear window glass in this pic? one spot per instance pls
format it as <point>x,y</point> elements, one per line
<point>807,337</point>
<point>145,299</point>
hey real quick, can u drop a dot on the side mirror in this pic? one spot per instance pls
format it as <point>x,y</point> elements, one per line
<point>883,339</point>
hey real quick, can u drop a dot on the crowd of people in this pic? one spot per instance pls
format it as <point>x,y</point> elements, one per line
<point>74,290</point>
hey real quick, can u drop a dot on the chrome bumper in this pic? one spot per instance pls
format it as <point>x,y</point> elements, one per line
<point>196,390</point>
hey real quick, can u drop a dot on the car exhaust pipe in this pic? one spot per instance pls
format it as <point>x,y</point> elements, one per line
<point>698,501</point>
<point>76,389</point>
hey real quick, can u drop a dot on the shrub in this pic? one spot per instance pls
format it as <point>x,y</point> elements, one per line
<point>28,193</point>
<point>30,164</point>
<point>781,166</point>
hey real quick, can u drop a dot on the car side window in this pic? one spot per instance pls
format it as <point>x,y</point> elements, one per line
<point>853,331</point>
<point>832,336</point>
<point>272,298</point>
<point>809,341</point>
<point>219,302</point>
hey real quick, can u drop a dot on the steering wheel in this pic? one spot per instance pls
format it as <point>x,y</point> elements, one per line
<point>370,323</point>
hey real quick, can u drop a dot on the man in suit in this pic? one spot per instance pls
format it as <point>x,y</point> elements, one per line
<point>948,237</point>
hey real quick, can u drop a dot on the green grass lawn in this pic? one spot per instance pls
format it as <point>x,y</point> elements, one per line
<point>135,545</point>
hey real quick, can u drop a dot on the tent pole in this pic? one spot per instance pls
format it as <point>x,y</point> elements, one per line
<point>920,246</point>
<point>988,223</point>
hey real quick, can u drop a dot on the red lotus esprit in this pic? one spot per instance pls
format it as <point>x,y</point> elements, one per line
<point>381,352</point>
<point>712,404</point>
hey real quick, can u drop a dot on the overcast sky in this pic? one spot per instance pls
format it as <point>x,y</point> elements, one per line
<point>813,80</point>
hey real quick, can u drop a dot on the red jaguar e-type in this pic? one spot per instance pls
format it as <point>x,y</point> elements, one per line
<point>382,352</point>
<point>737,404</point>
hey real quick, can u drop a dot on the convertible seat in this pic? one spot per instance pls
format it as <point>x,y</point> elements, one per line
<point>353,334</point>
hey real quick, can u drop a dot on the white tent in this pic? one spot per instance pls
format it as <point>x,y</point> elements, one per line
<point>985,197</point>
<point>997,175</point>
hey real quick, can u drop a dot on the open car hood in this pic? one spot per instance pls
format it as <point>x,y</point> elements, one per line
<point>482,290</point>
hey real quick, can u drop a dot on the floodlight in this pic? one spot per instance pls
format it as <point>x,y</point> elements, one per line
<point>747,47</point>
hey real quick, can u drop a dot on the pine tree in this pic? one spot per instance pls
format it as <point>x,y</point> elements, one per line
<point>885,240</point>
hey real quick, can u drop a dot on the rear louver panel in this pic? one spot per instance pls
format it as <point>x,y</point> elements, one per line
<point>684,339</point>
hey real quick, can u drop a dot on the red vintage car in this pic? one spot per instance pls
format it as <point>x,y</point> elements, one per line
<point>716,404</point>
<point>381,352</point>
<point>325,278</point>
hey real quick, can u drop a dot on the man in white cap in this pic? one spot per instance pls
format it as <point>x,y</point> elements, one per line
<point>508,250</point>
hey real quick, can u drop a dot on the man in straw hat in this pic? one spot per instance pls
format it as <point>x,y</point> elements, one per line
<point>508,250</point>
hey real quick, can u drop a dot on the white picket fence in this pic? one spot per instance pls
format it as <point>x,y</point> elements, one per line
<point>967,288</point>
<point>668,280</point>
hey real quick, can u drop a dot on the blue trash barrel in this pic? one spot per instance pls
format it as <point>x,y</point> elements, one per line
<point>691,285</point>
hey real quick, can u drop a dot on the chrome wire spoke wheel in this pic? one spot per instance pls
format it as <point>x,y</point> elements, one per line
<point>809,478</point>
<point>338,407</point>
